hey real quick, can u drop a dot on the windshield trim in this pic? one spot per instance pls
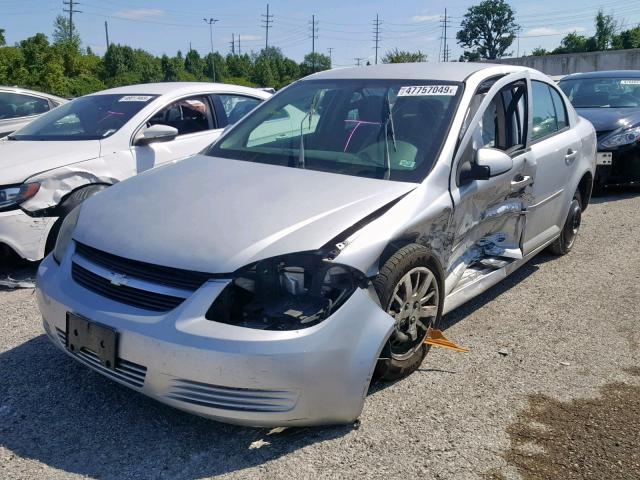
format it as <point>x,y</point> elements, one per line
<point>214,150</point>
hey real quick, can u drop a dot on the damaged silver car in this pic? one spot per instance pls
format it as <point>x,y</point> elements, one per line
<point>320,240</point>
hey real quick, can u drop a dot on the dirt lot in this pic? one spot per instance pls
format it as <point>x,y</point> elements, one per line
<point>549,390</point>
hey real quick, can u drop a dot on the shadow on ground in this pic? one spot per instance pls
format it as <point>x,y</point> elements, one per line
<point>615,194</point>
<point>70,418</point>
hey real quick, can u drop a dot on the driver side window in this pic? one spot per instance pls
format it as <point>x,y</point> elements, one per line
<point>187,115</point>
<point>502,125</point>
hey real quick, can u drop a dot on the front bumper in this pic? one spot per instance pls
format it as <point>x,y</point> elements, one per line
<point>25,235</point>
<point>318,375</point>
<point>624,168</point>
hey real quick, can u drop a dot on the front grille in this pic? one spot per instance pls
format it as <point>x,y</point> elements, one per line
<point>230,398</point>
<point>135,297</point>
<point>172,277</point>
<point>128,372</point>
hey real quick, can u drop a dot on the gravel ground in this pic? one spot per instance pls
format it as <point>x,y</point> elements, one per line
<point>551,347</point>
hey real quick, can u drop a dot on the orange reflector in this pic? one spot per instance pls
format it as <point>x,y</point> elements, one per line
<point>437,339</point>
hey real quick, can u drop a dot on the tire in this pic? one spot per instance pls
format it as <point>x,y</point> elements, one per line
<point>564,243</point>
<point>415,262</point>
<point>72,201</point>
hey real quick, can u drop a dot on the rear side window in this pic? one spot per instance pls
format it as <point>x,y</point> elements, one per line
<point>16,105</point>
<point>561,110</point>
<point>545,120</point>
<point>237,106</point>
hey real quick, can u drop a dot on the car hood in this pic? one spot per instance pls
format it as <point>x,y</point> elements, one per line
<point>608,119</point>
<point>217,215</point>
<point>21,159</point>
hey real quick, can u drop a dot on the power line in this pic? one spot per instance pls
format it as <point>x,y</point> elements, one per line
<point>267,22</point>
<point>376,33</point>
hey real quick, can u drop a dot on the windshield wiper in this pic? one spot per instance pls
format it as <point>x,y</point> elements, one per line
<point>387,154</point>
<point>11,137</point>
<point>309,115</point>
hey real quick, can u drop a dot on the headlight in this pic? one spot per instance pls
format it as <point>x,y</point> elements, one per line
<point>625,137</point>
<point>11,197</point>
<point>289,292</point>
<point>65,233</point>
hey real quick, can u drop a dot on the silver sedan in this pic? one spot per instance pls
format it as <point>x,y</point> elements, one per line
<point>19,106</point>
<point>269,279</point>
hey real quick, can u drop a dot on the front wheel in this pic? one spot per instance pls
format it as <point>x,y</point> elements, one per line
<point>408,286</point>
<point>564,243</point>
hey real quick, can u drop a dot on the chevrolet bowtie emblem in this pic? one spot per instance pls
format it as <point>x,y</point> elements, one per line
<point>118,279</point>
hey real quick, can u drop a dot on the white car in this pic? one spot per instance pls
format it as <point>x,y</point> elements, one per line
<point>57,161</point>
<point>19,106</point>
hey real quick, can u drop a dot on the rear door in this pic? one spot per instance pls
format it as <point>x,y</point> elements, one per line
<point>195,121</point>
<point>554,149</point>
<point>488,219</point>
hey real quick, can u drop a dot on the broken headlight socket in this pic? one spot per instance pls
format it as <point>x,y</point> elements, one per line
<point>12,196</point>
<point>288,292</point>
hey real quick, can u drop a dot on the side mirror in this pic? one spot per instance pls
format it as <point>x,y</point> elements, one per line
<point>496,161</point>
<point>155,133</point>
<point>489,163</point>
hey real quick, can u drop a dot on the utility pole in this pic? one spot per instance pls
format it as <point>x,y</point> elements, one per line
<point>330,50</point>
<point>70,10</point>
<point>233,44</point>
<point>376,33</point>
<point>445,50</point>
<point>106,32</point>
<point>239,48</point>
<point>314,36</point>
<point>266,22</point>
<point>211,21</point>
<point>358,60</point>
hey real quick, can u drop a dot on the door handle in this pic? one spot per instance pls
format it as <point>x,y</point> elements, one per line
<point>519,182</point>
<point>570,156</point>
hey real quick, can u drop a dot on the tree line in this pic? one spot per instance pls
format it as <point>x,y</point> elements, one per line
<point>62,67</point>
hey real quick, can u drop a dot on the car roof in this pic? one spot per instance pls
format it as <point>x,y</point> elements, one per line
<point>605,74</point>
<point>32,92</point>
<point>180,88</point>
<point>448,71</point>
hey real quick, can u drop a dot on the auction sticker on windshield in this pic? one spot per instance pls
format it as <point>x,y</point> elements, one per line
<point>427,90</point>
<point>136,98</point>
<point>629,82</point>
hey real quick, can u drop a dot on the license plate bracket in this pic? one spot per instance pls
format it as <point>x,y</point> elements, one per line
<point>604,158</point>
<point>83,334</point>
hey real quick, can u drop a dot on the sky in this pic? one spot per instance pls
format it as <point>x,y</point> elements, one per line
<point>345,27</point>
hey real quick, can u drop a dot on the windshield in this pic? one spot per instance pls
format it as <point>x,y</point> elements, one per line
<point>602,92</point>
<point>87,118</point>
<point>387,129</point>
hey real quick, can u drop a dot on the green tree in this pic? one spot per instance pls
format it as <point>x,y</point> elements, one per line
<point>539,52</point>
<point>263,74</point>
<point>470,57</point>
<point>605,31</point>
<point>63,34</point>
<point>194,65</point>
<point>314,62</point>
<point>488,28</point>
<point>627,39</point>
<point>573,43</point>
<point>3,40</point>
<point>402,56</point>
<point>239,66</point>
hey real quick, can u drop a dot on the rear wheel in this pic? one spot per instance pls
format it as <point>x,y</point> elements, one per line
<point>408,286</point>
<point>564,243</point>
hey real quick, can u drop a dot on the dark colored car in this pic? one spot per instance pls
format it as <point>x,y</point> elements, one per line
<point>611,102</point>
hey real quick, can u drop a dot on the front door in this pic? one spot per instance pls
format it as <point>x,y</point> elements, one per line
<point>193,118</point>
<point>488,218</point>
